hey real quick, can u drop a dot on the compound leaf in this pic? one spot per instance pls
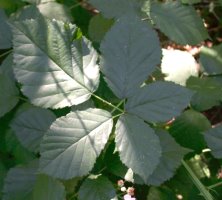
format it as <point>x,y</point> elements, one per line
<point>138,145</point>
<point>130,52</point>
<point>179,22</point>
<point>96,188</point>
<point>31,125</point>
<point>55,69</point>
<point>72,144</point>
<point>159,101</point>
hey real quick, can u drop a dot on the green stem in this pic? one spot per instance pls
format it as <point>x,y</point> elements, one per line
<point>214,185</point>
<point>5,53</point>
<point>118,105</point>
<point>206,194</point>
<point>108,103</point>
<point>75,5</point>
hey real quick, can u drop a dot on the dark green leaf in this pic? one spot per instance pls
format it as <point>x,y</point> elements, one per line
<point>188,130</point>
<point>55,71</point>
<point>179,22</point>
<point>31,125</point>
<point>130,52</point>
<point>47,188</point>
<point>161,194</point>
<point>211,59</point>
<point>213,138</point>
<point>8,94</point>
<point>159,101</point>
<point>72,144</point>
<point>6,67</point>
<point>96,188</point>
<point>138,145</point>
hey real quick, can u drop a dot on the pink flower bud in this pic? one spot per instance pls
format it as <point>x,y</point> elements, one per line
<point>120,183</point>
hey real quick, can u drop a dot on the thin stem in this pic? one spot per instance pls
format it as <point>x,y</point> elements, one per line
<point>75,5</point>
<point>206,194</point>
<point>117,115</point>
<point>118,105</point>
<point>108,103</point>
<point>23,99</point>
<point>5,53</point>
<point>214,185</point>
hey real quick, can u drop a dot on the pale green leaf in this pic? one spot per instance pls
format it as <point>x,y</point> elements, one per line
<point>188,130</point>
<point>138,146</point>
<point>30,126</point>
<point>159,101</point>
<point>172,154</point>
<point>8,94</point>
<point>47,188</point>
<point>211,59</point>
<point>179,22</point>
<point>19,182</point>
<point>130,52</point>
<point>213,138</point>
<point>72,144</point>
<point>116,8</point>
<point>5,31</point>
<point>55,70</point>
<point>96,188</point>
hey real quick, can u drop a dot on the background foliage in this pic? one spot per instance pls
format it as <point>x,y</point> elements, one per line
<point>94,92</point>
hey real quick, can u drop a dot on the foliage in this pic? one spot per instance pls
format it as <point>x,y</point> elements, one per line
<point>85,111</point>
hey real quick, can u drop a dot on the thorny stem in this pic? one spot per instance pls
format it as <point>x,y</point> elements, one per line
<point>203,190</point>
<point>108,103</point>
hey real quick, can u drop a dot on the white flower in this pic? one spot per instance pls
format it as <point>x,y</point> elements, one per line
<point>123,189</point>
<point>128,197</point>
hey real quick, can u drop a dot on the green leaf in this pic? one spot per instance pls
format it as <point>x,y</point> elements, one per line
<point>126,61</point>
<point>55,70</point>
<point>5,32</point>
<point>6,67</point>
<point>47,188</point>
<point>208,93</point>
<point>159,101</point>
<point>138,145</point>
<point>179,22</point>
<point>8,94</point>
<point>116,8</point>
<point>172,154</point>
<point>211,59</point>
<point>188,130</point>
<point>98,27</point>
<point>96,188</point>
<point>161,194</point>
<point>190,1</point>
<point>31,125</point>
<point>19,182</point>
<point>72,144</point>
<point>213,138</point>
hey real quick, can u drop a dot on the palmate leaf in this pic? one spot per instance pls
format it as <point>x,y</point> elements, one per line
<point>96,188</point>
<point>19,182</point>
<point>138,145</point>
<point>130,52</point>
<point>55,69</point>
<point>72,144</point>
<point>8,94</point>
<point>159,101</point>
<point>47,188</point>
<point>31,125</point>
<point>179,22</point>
<point>213,138</point>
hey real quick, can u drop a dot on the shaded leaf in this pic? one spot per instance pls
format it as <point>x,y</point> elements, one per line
<point>96,188</point>
<point>19,182</point>
<point>161,194</point>
<point>213,138</point>
<point>138,145</point>
<point>179,22</point>
<point>159,101</point>
<point>127,59</point>
<point>31,125</point>
<point>55,69</point>
<point>8,93</point>
<point>188,130</point>
<point>72,144</point>
<point>6,67</point>
<point>47,188</point>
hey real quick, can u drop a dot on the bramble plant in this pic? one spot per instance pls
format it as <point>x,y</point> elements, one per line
<point>85,112</point>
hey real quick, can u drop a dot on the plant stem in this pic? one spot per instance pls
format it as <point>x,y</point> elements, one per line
<point>214,185</point>
<point>108,103</point>
<point>118,105</point>
<point>5,53</point>
<point>206,194</point>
